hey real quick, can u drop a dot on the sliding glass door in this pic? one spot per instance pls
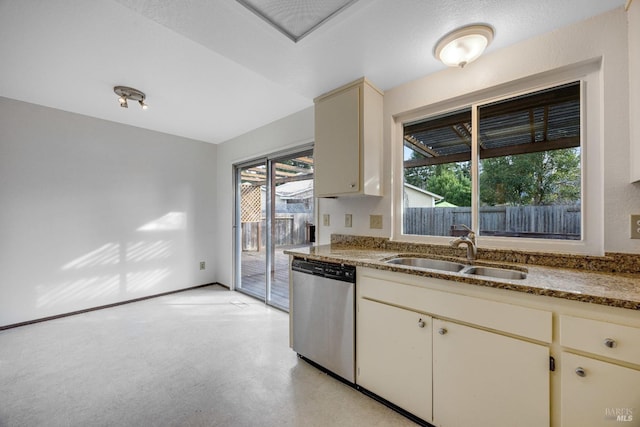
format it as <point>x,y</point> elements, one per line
<point>274,211</point>
<point>251,211</point>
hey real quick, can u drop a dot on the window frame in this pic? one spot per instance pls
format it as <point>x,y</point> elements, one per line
<point>591,152</point>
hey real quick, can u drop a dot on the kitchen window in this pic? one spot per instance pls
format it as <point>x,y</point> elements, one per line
<point>510,167</point>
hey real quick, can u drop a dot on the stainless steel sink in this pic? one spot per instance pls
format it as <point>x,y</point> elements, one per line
<point>434,264</point>
<point>456,267</point>
<point>498,273</point>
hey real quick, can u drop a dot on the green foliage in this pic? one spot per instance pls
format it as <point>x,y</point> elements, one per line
<point>453,182</point>
<point>450,180</point>
<point>418,176</point>
<point>295,162</point>
<point>544,178</point>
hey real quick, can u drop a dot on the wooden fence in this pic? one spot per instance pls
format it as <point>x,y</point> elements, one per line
<point>547,222</point>
<point>290,229</point>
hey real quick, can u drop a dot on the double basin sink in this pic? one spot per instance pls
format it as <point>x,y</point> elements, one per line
<point>456,267</point>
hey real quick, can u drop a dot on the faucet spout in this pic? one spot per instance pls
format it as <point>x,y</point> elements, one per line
<point>470,241</point>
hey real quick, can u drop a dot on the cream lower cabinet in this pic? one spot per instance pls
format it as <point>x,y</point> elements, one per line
<point>483,378</point>
<point>450,374</point>
<point>486,364</point>
<point>599,392</point>
<point>394,355</point>
<point>596,393</point>
<point>482,357</point>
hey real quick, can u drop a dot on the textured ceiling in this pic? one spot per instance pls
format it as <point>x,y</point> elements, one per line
<point>296,18</point>
<point>213,70</point>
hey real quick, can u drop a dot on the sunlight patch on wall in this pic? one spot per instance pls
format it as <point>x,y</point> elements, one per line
<point>116,270</point>
<point>146,251</point>
<point>170,221</point>
<point>108,254</point>
<point>144,280</point>
<point>84,289</point>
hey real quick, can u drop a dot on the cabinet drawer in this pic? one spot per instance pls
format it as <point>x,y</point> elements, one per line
<point>601,338</point>
<point>522,321</point>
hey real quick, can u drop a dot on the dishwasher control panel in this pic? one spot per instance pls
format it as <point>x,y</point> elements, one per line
<point>344,273</point>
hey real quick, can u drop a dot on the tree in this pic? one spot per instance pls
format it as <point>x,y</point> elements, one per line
<point>418,176</point>
<point>543,178</point>
<point>450,180</point>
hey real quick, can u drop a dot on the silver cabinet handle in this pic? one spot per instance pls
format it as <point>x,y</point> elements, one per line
<point>610,342</point>
<point>442,331</point>
<point>581,372</point>
<point>421,323</point>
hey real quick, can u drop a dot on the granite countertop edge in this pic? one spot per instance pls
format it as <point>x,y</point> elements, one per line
<point>620,290</point>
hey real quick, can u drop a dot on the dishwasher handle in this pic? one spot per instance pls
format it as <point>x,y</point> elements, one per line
<point>340,272</point>
<point>308,267</point>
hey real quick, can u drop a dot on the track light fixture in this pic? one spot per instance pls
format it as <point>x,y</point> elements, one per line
<point>128,93</point>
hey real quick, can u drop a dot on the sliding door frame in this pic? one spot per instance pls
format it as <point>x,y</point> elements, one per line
<point>269,161</point>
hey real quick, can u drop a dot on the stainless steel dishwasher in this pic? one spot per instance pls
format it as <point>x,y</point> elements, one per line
<point>323,310</point>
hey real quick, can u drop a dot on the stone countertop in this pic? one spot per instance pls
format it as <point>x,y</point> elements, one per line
<point>611,289</point>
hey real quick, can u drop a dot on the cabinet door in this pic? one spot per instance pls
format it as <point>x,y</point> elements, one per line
<point>394,355</point>
<point>337,144</point>
<point>596,393</point>
<point>485,379</point>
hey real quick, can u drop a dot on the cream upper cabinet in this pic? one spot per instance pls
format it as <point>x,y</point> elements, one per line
<point>394,355</point>
<point>348,141</point>
<point>483,378</point>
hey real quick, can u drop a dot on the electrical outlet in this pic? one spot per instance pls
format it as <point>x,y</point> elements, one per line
<point>348,220</point>
<point>635,226</point>
<point>201,265</point>
<point>375,221</point>
<point>326,220</point>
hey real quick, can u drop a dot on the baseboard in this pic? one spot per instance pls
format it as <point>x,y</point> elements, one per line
<point>396,408</point>
<point>115,304</point>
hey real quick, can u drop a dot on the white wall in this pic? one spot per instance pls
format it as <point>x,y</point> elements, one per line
<point>293,131</point>
<point>633,19</point>
<point>95,212</point>
<point>604,37</point>
<point>601,38</point>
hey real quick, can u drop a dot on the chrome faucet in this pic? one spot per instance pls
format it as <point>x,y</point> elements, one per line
<point>470,241</point>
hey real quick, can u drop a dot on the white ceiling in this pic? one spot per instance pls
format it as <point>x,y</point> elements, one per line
<point>213,70</point>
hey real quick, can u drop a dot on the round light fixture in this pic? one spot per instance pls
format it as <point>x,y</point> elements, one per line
<point>463,45</point>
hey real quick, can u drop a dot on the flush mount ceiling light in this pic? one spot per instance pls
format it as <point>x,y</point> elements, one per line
<point>463,45</point>
<point>296,18</point>
<point>128,93</point>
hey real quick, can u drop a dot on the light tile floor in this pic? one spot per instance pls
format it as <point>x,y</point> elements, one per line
<point>204,357</point>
